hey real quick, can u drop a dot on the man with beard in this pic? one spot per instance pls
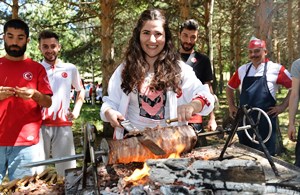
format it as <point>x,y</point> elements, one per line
<point>57,120</point>
<point>259,81</point>
<point>24,90</point>
<point>201,65</point>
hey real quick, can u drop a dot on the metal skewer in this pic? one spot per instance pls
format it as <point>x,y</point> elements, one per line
<point>61,159</point>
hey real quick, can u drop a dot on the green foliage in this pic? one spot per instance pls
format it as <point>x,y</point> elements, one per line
<point>78,23</point>
<point>89,113</point>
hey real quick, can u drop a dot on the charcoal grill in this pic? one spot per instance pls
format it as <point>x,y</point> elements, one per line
<point>243,114</point>
<point>87,176</point>
<point>86,179</point>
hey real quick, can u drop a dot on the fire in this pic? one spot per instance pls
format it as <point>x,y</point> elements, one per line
<point>179,149</point>
<point>139,174</point>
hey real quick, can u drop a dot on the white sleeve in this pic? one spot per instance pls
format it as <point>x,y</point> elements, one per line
<point>113,100</point>
<point>192,87</point>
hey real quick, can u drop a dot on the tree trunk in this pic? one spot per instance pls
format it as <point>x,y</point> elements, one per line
<point>263,23</point>
<point>238,33</point>
<point>108,63</point>
<point>210,44</point>
<point>220,64</point>
<point>277,48</point>
<point>290,33</point>
<point>207,5</point>
<point>15,9</point>
<point>107,31</point>
<point>233,66</point>
<point>184,7</point>
<point>235,48</point>
<point>297,54</point>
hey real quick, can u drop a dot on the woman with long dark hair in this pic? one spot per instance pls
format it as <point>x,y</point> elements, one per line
<point>152,84</point>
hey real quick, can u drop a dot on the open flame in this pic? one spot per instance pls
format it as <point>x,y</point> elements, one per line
<point>179,149</point>
<point>139,174</point>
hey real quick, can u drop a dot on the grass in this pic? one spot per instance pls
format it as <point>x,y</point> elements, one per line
<point>289,154</point>
<point>90,113</point>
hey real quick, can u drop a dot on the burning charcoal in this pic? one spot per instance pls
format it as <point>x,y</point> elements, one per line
<point>138,190</point>
<point>88,192</point>
<point>162,176</point>
<point>203,153</point>
<point>107,193</point>
<point>174,190</point>
<point>170,163</point>
<point>243,173</point>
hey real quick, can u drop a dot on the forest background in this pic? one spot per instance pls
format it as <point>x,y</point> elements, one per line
<point>95,33</point>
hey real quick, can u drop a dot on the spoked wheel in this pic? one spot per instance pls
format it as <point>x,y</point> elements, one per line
<point>260,115</point>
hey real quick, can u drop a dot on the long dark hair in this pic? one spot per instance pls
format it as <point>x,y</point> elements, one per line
<point>166,67</point>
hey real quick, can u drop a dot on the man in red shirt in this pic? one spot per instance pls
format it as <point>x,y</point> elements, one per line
<point>24,90</point>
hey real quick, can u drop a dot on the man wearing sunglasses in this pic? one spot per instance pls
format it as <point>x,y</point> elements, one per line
<point>258,82</point>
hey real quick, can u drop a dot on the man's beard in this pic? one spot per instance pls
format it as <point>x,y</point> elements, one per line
<point>190,48</point>
<point>50,60</point>
<point>15,53</point>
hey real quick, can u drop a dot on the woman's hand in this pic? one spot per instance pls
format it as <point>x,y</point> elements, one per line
<point>113,117</point>
<point>186,111</point>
